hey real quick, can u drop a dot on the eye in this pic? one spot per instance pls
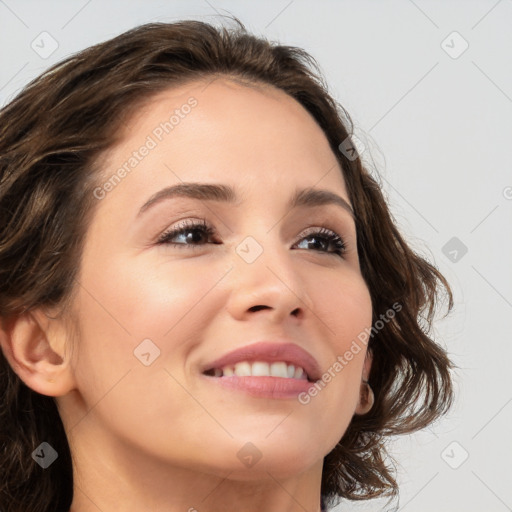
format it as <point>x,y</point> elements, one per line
<point>323,239</point>
<point>200,232</point>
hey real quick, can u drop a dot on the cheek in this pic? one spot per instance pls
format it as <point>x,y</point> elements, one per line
<point>345,307</point>
<point>148,299</point>
<point>159,302</point>
<point>156,301</point>
<point>117,314</point>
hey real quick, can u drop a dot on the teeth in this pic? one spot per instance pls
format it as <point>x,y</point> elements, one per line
<point>279,370</point>
<point>226,372</point>
<point>243,369</point>
<point>259,369</point>
<point>262,369</point>
<point>299,372</point>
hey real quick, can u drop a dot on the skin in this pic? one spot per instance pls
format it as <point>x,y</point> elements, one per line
<point>160,437</point>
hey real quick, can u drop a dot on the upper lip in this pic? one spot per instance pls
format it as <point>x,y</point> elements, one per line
<point>268,351</point>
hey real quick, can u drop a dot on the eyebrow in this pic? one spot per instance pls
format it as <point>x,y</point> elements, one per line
<point>307,197</point>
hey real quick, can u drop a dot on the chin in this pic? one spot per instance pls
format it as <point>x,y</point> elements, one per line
<point>254,461</point>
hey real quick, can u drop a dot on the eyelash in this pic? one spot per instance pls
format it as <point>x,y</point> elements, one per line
<point>206,230</point>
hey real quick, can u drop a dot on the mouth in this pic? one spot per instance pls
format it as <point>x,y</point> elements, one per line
<point>265,369</point>
<point>276,369</point>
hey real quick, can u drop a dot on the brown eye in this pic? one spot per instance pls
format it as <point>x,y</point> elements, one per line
<point>323,239</point>
<point>200,233</point>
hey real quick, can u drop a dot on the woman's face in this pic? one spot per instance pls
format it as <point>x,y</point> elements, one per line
<point>155,311</point>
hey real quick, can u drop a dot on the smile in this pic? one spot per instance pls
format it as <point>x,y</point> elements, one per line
<point>278,369</point>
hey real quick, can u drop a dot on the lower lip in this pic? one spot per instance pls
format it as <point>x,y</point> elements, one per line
<point>264,387</point>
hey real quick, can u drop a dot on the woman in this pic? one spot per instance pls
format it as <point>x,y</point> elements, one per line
<point>258,364</point>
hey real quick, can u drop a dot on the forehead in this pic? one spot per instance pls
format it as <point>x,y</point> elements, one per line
<point>225,107</point>
<point>222,130</point>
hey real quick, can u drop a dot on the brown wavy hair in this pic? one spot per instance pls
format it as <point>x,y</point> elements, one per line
<point>52,135</point>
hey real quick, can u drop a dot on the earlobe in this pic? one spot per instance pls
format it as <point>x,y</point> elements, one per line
<point>34,346</point>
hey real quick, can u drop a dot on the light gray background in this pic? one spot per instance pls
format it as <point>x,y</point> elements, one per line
<point>438,130</point>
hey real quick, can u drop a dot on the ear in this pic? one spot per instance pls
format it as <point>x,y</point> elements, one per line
<point>366,397</point>
<point>367,366</point>
<point>34,345</point>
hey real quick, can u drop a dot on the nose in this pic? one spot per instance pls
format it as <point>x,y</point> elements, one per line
<point>270,287</point>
